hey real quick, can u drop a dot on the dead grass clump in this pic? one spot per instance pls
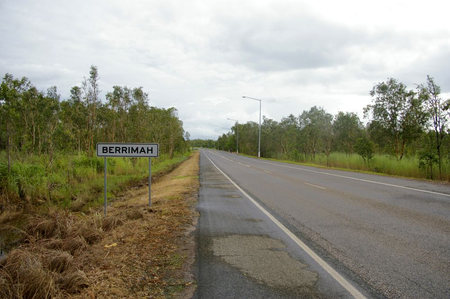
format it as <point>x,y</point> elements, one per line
<point>134,214</point>
<point>56,224</point>
<point>58,261</point>
<point>74,245</point>
<point>95,220</point>
<point>10,216</point>
<point>111,222</point>
<point>40,227</point>
<point>73,282</point>
<point>54,244</point>
<point>91,234</point>
<point>27,276</point>
<point>79,201</point>
<point>5,286</point>
<point>39,273</point>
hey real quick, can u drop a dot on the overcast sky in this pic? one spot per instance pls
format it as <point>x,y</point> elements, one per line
<point>203,56</point>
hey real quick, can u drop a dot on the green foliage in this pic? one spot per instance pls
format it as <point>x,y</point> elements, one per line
<point>203,143</point>
<point>398,113</point>
<point>347,128</point>
<point>364,148</point>
<point>440,118</point>
<point>34,122</point>
<point>74,181</point>
<point>426,161</point>
<point>404,125</point>
<point>24,180</point>
<point>47,145</point>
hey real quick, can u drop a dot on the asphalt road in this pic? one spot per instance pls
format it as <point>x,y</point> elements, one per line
<point>277,230</point>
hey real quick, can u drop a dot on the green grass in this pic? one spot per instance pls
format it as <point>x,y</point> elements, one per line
<point>380,164</point>
<point>74,181</point>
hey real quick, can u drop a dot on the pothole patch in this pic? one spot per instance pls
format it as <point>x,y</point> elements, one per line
<point>263,259</point>
<point>232,196</point>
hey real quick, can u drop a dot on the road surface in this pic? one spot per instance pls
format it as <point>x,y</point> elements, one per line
<point>277,230</point>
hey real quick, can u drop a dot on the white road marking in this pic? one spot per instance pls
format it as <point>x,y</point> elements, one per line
<point>243,164</point>
<point>361,180</point>
<point>266,171</point>
<point>341,280</point>
<point>315,186</point>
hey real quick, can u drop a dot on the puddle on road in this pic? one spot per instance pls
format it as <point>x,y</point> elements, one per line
<point>263,259</point>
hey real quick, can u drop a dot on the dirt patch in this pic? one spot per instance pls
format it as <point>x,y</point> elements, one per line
<point>136,252</point>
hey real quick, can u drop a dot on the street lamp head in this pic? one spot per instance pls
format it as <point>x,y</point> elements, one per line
<point>246,97</point>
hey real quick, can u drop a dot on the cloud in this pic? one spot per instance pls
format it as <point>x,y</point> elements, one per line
<point>280,42</point>
<point>203,56</point>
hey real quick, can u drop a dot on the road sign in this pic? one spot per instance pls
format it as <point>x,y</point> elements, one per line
<point>144,150</point>
<point>148,150</point>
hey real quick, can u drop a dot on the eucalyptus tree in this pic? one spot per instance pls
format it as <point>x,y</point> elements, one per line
<point>119,101</point>
<point>289,137</point>
<point>91,93</point>
<point>248,138</point>
<point>436,108</point>
<point>347,128</point>
<point>317,131</point>
<point>221,142</point>
<point>49,107</point>
<point>10,104</point>
<point>139,127</point>
<point>73,122</point>
<point>398,112</point>
<point>270,137</point>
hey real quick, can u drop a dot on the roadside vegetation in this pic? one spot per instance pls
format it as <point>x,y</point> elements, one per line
<point>406,134</point>
<point>47,144</point>
<point>51,182</point>
<point>136,251</point>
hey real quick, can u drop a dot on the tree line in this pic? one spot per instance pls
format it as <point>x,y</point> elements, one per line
<point>400,122</point>
<point>36,122</point>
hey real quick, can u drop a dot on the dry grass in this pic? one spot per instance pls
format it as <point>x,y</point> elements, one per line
<point>135,252</point>
<point>24,276</point>
<point>149,254</point>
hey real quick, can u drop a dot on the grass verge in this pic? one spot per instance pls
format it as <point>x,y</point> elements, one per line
<point>136,252</point>
<point>408,167</point>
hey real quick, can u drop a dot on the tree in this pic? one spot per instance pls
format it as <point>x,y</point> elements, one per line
<point>72,129</point>
<point>316,127</point>
<point>119,101</point>
<point>10,102</point>
<point>347,128</point>
<point>269,137</point>
<point>398,112</point>
<point>364,147</point>
<point>289,138</point>
<point>91,93</point>
<point>435,107</point>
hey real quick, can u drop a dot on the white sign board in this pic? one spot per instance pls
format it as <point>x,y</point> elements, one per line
<point>149,150</point>
<point>144,150</point>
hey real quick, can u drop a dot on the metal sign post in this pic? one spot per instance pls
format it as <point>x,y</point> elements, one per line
<point>149,182</point>
<point>104,201</point>
<point>131,150</point>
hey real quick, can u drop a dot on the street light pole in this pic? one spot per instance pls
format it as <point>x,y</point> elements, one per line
<point>237,134</point>
<point>259,141</point>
